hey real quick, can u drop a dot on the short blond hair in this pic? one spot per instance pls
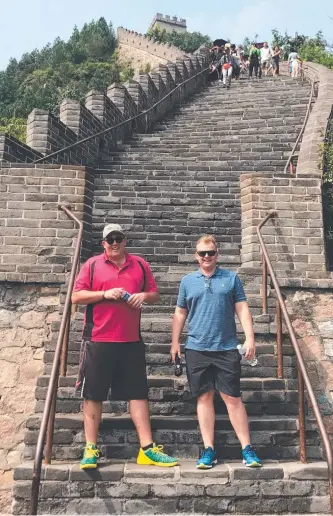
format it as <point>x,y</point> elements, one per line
<point>207,239</point>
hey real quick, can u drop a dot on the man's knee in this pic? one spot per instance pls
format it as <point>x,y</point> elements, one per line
<point>231,401</point>
<point>206,397</point>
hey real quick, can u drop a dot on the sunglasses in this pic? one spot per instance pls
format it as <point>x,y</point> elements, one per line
<point>202,254</point>
<point>117,239</point>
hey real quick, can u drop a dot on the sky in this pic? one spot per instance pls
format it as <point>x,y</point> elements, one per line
<point>25,26</point>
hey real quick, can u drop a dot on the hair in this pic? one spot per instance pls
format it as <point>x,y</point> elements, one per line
<point>207,239</point>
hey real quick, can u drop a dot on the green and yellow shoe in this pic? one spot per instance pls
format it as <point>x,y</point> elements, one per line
<point>90,456</point>
<point>156,457</point>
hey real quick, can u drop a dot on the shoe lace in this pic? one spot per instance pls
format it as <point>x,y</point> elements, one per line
<point>206,454</point>
<point>251,453</point>
<point>163,457</point>
<point>159,449</point>
<point>92,452</point>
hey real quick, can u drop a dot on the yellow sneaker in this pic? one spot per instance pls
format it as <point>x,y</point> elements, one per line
<point>156,457</point>
<point>90,456</point>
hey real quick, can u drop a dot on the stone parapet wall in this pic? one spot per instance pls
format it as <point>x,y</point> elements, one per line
<point>12,149</point>
<point>134,40</point>
<point>26,316</point>
<point>295,237</point>
<point>36,237</point>
<point>309,162</point>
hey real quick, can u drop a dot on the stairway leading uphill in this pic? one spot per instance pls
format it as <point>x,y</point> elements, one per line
<point>166,189</point>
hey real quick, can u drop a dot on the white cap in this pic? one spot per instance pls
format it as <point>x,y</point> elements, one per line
<point>112,228</point>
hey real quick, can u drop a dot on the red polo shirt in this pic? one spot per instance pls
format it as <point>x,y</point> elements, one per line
<point>109,320</point>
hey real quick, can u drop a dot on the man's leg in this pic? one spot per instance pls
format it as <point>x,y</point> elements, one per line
<point>250,69</point>
<point>238,418</point>
<point>92,414</point>
<point>224,74</point>
<point>139,411</point>
<point>206,417</point>
<point>229,75</point>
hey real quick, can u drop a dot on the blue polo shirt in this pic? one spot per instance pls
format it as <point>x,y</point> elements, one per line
<point>211,309</point>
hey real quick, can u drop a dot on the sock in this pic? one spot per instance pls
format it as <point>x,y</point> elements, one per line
<point>91,444</point>
<point>146,448</point>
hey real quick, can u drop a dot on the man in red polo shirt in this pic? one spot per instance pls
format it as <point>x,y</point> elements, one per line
<point>113,353</point>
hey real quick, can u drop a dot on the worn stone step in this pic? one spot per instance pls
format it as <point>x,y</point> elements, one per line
<point>275,437</point>
<point>126,488</point>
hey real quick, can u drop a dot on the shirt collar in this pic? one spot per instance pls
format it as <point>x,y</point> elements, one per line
<point>199,274</point>
<point>127,262</point>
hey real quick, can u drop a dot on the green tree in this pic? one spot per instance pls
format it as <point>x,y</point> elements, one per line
<point>189,42</point>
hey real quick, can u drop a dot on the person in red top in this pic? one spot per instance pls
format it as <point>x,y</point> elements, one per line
<point>114,285</point>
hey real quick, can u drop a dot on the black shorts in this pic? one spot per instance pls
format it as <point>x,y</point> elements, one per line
<point>120,366</point>
<point>214,370</point>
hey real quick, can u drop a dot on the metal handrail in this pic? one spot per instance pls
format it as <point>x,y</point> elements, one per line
<point>303,378</point>
<point>47,424</point>
<point>291,155</point>
<point>114,127</point>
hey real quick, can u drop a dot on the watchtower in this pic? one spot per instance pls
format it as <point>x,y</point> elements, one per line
<point>169,23</point>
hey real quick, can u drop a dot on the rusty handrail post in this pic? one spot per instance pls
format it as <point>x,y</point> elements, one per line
<point>279,340</point>
<point>50,426</point>
<point>64,352</point>
<point>264,285</point>
<point>53,384</point>
<point>301,417</point>
<point>302,372</point>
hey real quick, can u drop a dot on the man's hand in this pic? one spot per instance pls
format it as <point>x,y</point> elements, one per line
<point>114,293</point>
<point>250,347</point>
<point>136,300</point>
<point>174,351</point>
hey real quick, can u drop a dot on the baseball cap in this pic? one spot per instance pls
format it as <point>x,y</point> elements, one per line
<point>112,228</point>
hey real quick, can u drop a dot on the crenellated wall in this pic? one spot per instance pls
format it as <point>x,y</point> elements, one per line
<point>47,133</point>
<point>139,50</point>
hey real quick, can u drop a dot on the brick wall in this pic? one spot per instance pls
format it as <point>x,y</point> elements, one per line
<point>11,149</point>
<point>295,238</point>
<point>36,237</point>
<point>139,50</point>
<point>314,135</point>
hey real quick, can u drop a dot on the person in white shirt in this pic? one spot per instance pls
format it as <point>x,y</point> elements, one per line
<point>265,58</point>
<point>292,56</point>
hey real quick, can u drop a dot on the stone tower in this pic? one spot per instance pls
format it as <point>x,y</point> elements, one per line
<point>169,23</point>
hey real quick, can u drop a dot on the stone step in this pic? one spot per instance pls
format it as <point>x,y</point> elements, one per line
<point>275,437</point>
<point>127,488</point>
<point>168,402</point>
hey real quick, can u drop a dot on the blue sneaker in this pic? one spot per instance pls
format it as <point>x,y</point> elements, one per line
<point>250,458</point>
<point>207,459</point>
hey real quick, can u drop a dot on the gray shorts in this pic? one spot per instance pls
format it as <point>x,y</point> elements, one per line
<point>214,370</point>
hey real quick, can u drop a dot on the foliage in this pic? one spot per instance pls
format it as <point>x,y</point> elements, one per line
<point>187,41</point>
<point>310,49</point>
<point>15,127</point>
<point>43,78</point>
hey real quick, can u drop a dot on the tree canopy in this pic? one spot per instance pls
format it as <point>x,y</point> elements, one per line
<point>189,42</point>
<point>43,78</point>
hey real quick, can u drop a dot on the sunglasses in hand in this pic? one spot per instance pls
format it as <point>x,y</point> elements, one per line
<point>202,254</point>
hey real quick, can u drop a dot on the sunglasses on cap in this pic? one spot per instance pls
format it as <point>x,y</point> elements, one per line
<point>118,239</point>
<point>202,254</point>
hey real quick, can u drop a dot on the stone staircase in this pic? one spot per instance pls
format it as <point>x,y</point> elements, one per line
<point>166,189</point>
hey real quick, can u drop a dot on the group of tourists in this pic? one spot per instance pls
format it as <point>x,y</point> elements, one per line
<point>230,61</point>
<point>115,285</point>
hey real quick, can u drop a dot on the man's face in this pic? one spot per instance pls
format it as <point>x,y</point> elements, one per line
<point>114,245</point>
<point>265,45</point>
<point>206,262</point>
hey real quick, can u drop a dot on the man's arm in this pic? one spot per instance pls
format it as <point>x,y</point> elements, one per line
<point>87,297</point>
<point>178,324</point>
<point>245,318</point>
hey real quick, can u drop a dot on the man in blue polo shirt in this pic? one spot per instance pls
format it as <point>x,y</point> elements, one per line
<point>209,298</point>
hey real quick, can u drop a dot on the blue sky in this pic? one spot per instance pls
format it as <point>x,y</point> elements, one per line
<point>28,25</point>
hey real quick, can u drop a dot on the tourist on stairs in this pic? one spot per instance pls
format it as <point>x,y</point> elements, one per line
<point>209,298</point>
<point>114,285</point>
<point>254,58</point>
